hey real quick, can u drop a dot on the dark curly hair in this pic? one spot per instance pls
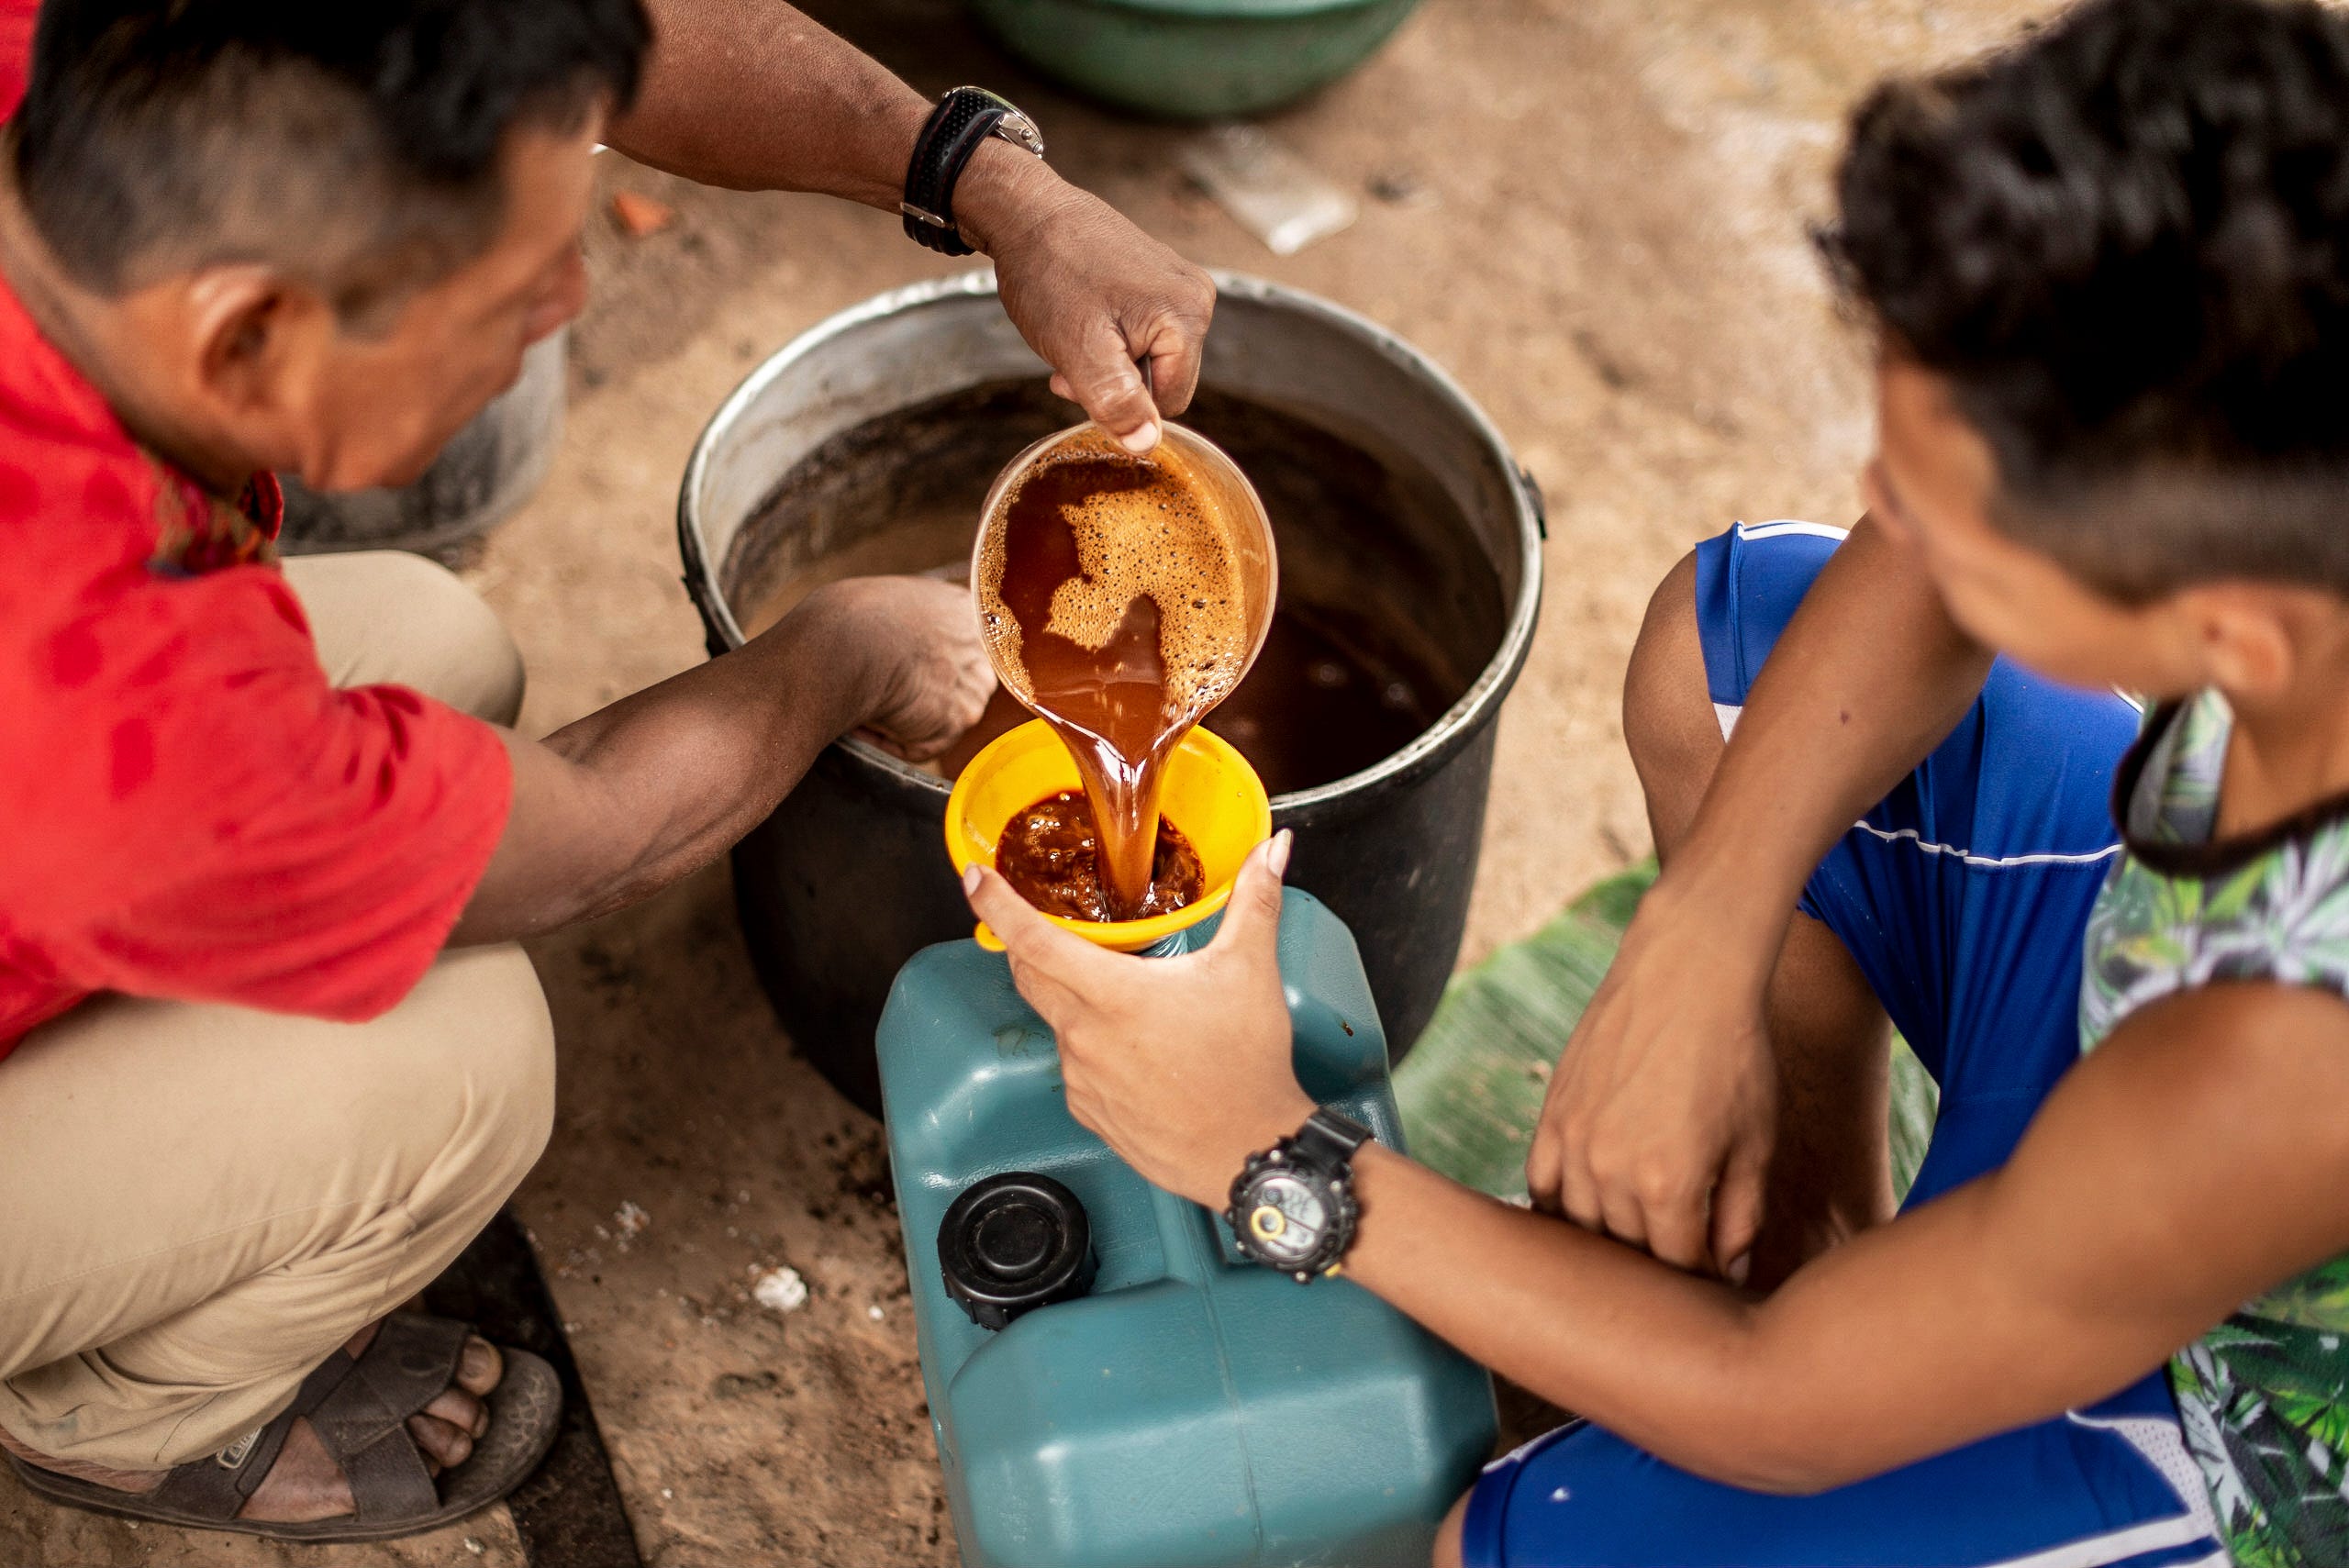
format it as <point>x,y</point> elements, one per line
<point>353,142</point>
<point>2124,242</point>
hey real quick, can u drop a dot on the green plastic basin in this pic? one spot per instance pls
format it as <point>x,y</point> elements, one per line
<point>1194,59</point>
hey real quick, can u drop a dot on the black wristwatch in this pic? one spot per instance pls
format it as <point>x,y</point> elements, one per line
<point>963,118</point>
<point>1293,1206</point>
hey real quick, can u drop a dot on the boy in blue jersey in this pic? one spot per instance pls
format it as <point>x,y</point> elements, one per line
<point>2108,275</point>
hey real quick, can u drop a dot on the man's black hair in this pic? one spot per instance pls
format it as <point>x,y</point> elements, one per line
<point>2125,243</point>
<point>355,142</point>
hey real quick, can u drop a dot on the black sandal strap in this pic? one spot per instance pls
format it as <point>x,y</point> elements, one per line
<point>359,1409</point>
<point>362,1417</point>
<point>216,1486</point>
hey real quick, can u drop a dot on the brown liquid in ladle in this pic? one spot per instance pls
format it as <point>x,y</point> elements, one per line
<point>1120,607</point>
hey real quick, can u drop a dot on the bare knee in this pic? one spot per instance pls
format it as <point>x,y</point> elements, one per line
<point>1669,724</point>
<point>1448,1536</point>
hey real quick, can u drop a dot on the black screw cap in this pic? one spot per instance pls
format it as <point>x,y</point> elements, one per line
<point>1014,1242</point>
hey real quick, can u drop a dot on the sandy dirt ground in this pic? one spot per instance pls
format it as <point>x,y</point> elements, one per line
<point>1594,212</point>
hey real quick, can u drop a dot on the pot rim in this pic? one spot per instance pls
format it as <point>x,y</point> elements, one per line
<point>1474,707</point>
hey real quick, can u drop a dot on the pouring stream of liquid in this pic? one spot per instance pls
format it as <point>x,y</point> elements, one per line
<point>1109,704</point>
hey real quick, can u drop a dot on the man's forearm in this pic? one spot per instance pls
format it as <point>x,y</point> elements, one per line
<point>1867,678</point>
<point>638,794</point>
<point>1576,1317</point>
<point>757,96</point>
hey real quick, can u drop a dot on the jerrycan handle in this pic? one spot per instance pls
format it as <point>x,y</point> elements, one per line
<point>1188,1238</point>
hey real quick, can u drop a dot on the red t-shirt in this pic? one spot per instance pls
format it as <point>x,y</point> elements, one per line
<point>188,807</point>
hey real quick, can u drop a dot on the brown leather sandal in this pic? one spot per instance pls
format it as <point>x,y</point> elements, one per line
<point>358,1407</point>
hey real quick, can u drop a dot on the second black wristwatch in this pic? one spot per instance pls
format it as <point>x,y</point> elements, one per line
<point>1293,1206</point>
<point>963,120</point>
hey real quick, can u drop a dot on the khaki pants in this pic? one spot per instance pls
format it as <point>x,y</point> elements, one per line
<point>198,1204</point>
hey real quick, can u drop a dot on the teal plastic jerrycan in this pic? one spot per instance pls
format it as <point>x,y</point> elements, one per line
<point>1171,1406</point>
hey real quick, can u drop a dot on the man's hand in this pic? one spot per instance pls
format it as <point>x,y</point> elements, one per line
<point>1181,1065</point>
<point>759,97</point>
<point>1659,1124</point>
<point>1090,292</point>
<point>930,674</point>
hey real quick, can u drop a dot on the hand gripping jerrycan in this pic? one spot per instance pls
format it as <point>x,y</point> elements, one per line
<point>1111,1384</point>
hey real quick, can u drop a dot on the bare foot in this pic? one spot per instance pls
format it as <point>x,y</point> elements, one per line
<point>305,1483</point>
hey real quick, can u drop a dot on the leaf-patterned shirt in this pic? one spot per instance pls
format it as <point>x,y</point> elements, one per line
<point>2264,1396</point>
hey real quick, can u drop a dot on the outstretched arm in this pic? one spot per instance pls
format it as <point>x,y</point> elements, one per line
<point>755,95</point>
<point>635,795</point>
<point>2198,1158</point>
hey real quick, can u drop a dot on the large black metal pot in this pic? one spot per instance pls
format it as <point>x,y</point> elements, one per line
<point>849,877</point>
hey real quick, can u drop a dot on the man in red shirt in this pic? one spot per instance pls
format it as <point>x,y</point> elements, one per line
<point>268,1057</point>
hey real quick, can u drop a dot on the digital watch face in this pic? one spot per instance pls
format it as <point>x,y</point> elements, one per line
<point>1285,1219</point>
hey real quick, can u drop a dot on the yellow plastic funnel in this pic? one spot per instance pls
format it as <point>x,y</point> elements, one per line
<point>1211,794</point>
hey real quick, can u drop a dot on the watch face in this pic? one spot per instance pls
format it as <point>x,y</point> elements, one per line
<point>1285,1218</point>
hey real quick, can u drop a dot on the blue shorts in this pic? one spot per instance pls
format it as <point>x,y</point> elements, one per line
<point>1963,897</point>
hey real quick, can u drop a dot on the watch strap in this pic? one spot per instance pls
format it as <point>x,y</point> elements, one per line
<point>1330,1138</point>
<point>963,120</point>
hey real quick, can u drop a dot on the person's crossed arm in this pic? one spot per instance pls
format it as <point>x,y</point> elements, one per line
<point>2195,1160</point>
<point>1660,1123</point>
<point>753,94</point>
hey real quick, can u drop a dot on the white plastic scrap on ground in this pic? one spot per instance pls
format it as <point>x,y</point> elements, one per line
<point>630,1218</point>
<point>780,1290</point>
<point>1273,194</point>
